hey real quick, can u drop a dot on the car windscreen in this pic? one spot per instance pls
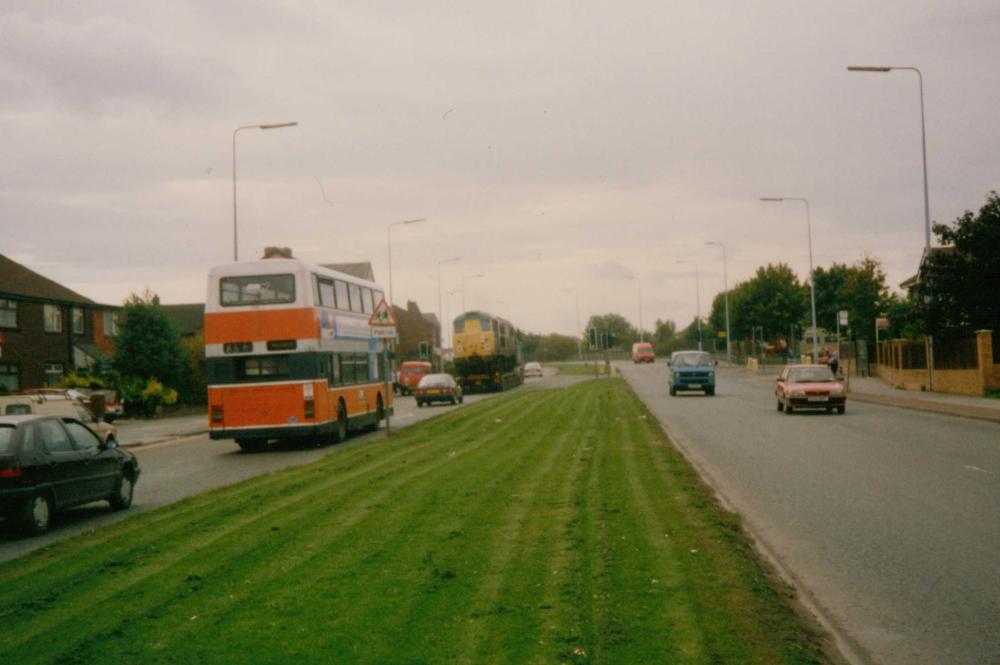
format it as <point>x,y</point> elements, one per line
<point>435,381</point>
<point>691,360</point>
<point>6,438</point>
<point>810,375</point>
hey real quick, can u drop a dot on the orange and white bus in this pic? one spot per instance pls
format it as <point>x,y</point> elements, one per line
<point>289,353</point>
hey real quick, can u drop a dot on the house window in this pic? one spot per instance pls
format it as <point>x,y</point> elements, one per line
<point>77,321</point>
<point>53,374</point>
<point>110,324</point>
<point>9,378</point>
<point>53,318</point>
<point>8,313</point>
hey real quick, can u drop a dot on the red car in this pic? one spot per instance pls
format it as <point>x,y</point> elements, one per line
<point>809,387</point>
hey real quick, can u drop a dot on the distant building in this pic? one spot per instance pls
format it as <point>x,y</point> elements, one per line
<point>189,319</point>
<point>48,330</point>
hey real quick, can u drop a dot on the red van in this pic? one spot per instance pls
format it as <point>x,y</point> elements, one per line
<point>642,352</point>
<point>410,373</point>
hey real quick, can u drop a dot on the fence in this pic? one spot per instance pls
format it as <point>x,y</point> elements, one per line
<point>963,365</point>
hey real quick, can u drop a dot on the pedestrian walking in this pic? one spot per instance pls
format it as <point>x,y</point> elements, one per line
<point>834,363</point>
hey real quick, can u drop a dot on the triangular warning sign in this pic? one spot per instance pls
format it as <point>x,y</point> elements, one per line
<point>382,316</point>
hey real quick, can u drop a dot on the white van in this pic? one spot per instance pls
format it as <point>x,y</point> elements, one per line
<point>56,404</point>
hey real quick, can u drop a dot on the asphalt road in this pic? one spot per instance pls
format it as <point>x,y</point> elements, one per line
<point>173,470</point>
<point>887,519</point>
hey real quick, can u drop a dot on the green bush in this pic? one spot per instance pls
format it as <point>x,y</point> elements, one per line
<point>146,398</point>
<point>74,380</point>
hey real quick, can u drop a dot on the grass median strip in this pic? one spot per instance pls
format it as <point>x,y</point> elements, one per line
<point>544,526</point>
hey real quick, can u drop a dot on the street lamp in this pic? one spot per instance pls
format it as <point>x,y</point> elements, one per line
<point>465,277</point>
<point>451,340</point>
<point>639,284</point>
<point>923,140</point>
<point>725,282</point>
<point>579,332</point>
<point>277,125</point>
<point>697,297</point>
<point>812,275</point>
<point>927,205</point>
<point>440,311</point>
<point>392,224</point>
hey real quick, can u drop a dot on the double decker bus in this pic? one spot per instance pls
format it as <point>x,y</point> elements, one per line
<point>289,353</point>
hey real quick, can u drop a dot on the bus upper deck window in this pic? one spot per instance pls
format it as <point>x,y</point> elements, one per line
<point>257,290</point>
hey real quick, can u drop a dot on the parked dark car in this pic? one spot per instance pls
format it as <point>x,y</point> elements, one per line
<point>438,388</point>
<point>49,463</point>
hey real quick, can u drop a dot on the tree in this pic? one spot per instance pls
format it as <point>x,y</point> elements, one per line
<point>773,299</point>
<point>147,345</point>
<point>860,289</point>
<point>664,337</point>
<point>616,324</point>
<point>960,282</point>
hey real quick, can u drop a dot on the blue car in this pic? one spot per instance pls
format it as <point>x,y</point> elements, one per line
<point>692,370</point>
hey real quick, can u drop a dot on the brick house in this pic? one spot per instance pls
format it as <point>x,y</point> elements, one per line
<point>48,330</point>
<point>416,327</point>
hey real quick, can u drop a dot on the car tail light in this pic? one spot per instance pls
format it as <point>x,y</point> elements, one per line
<point>216,413</point>
<point>310,408</point>
<point>11,471</point>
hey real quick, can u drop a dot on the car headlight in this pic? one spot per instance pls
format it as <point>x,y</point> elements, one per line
<point>711,375</point>
<point>796,392</point>
<point>837,390</point>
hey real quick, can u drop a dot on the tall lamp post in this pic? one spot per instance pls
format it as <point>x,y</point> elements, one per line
<point>451,342</point>
<point>697,297</point>
<point>725,283</point>
<point>441,311</point>
<point>278,125</point>
<point>579,332</point>
<point>812,275</point>
<point>927,205</point>
<point>392,224</point>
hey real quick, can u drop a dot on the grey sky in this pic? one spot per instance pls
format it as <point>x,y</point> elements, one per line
<point>551,145</point>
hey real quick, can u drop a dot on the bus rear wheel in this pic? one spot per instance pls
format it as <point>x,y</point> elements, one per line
<point>251,445</point>
<point>379,415</point>
<point>340,428</point>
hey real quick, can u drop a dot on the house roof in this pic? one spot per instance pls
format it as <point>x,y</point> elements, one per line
<point>187,318</point>
<point>911,282</point>
<point>19,280</point>
<point>361,269</point>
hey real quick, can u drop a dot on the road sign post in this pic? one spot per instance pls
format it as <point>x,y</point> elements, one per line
<point>383,325</point>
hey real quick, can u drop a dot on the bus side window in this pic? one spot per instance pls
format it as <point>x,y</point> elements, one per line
<point>363,367</point>
<point>342,301</point>
<point>334,376</point>
<point>366,300</point>
<point>346,363</point>
<point>356,305</point>
<point>326,293</point>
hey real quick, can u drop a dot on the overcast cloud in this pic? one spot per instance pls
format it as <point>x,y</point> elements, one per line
<point>553,146</point>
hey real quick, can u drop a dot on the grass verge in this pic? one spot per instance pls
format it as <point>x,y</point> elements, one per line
<point>552,526</point>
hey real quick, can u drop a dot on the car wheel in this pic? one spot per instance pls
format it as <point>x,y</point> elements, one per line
<point>454,400</point>
<point>841,409</point>
<point>788,409</point>
<point>37,514</point>
<point>124,488</point>
<point>461,400</point>
<point>781,407</point>
<point>710,392</point>
<point>673,391</point>
<point>340,431</point>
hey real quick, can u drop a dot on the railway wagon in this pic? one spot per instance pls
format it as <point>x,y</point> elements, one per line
<point>487,353</point>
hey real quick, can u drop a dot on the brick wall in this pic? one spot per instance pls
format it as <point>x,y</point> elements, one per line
<point>976,381</point>
<point>30,347</point>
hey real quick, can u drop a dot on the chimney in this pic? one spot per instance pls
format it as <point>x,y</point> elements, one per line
<point>277,252</point>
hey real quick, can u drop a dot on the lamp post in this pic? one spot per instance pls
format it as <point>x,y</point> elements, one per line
<point>450,327</point>
<point>725,283</point>
<point>927,205</point>
<point>465,277</point>
<point>278,125</point>
<point>440,311</point>
<point>579,332</point>
<point>392,224</point>
<point>639,285</point>
<point>697,297</point>
<point>812,276</point>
